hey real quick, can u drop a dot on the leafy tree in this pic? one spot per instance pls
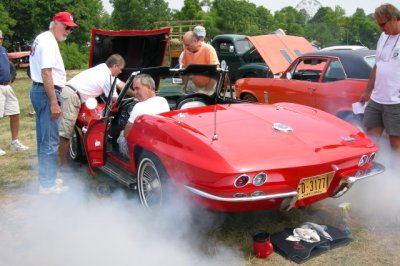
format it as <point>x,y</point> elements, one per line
<point>73,56</point>
<point>6,25</point>
<point>235,16</point>
<point>191,10</point>
<point>361,28</point>
<point>327,26</point>
<point>291,21</point>
<point>139,14</point>
<point>34,16</point>
<point>265,21</point>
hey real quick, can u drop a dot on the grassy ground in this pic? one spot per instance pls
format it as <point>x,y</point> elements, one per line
<point>375,232</point>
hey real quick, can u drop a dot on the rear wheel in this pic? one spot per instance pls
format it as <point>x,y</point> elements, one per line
<point>75,148</point>
<point>248,97</point>
<point>151,179</point>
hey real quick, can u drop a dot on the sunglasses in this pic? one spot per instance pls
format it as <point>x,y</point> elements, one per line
<point>383,23</point>
<point>68,27</point>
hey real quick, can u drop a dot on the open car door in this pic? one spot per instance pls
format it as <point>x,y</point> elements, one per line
<point>94,142</point>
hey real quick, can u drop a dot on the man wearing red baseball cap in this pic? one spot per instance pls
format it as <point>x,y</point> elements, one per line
<point>49,77</point>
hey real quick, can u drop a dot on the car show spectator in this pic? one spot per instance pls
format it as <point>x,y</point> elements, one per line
<point>148,103</point>
<point>9,105</point>
<point>90,83</point>
<point>200,33</point>
<point>198,52</point>
<point>48,79</point>
<point>383,110</point>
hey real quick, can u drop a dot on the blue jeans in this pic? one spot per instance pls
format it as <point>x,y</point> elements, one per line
<point>46,135</point>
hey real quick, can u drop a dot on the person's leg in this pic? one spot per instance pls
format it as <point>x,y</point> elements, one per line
<point>46,136</point>
<point>14,126</point>
<point>373,120</point>
<point>71,105</point>
<point>63,152</point>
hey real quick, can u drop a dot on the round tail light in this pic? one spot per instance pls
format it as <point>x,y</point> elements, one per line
<point>241,181</point>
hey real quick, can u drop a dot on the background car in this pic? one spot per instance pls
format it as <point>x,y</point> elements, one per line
<point>222,153</point>
<point>344,47</point>
<point>327,80</point>
<point>259,56</point>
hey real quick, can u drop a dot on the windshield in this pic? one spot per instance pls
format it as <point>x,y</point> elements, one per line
<point>186,84</point>
<point>243,46</point>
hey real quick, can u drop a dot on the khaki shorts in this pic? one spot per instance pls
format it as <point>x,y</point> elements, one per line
<point>71,104</point>
<point>385,116</point>
<point>8,101</point>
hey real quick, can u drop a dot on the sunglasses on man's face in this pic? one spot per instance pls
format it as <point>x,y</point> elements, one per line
<point>383,23</point>
<point>68,27</point>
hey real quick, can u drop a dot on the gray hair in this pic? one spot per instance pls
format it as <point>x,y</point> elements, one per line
<point>115,59</point>
<point>146,80</point>
<point>387,11</point>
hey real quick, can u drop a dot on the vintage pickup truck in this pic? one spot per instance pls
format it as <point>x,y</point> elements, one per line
<point>259,56</point>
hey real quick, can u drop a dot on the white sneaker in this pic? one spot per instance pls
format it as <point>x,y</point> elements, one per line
<point>56,189</point>
<point>2,152</point>
<point>16,145</point>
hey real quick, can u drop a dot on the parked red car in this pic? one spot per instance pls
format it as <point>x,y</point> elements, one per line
<point>327,80</point>
<point>219,152</point>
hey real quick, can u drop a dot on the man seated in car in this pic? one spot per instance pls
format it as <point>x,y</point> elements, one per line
<point>148,103</point>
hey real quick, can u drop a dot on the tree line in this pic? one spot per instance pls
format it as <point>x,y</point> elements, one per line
<point>22,20</point>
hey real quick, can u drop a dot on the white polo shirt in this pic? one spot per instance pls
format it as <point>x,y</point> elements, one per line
<point>93,82</point>
<point>45,53</point>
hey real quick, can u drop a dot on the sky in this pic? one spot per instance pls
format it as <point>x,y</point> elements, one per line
<point>350,6</point>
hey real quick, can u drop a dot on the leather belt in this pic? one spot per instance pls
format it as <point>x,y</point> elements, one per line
<point>4,83</point>
<point>75,90</point>
<point>57,88</point>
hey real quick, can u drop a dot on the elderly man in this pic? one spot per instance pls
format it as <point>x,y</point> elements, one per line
<point>383,111</point>
<point>49,77</point>
<point>90,83</point>
<point>9,105</point>
<point>198,52</point>
<point>149,103</point>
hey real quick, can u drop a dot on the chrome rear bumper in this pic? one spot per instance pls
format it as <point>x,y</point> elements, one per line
<point>344,186</point>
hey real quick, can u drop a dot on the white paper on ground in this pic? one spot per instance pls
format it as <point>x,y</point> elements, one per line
<point>358,108</point>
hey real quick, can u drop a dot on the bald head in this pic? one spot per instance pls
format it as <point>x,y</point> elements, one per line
<point>191,42</point>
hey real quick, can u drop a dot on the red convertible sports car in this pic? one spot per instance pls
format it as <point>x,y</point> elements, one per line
<point>327,80</point>
<point>222,153</point>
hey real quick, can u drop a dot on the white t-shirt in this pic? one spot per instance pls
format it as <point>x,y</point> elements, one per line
<point>152,106</point>
<point>93,82</point>
<point>387,82</point>
<point>46,54</point>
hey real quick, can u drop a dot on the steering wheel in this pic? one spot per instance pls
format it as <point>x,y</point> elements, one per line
<point>124,112</point>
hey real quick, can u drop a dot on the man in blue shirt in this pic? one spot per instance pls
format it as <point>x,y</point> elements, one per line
<point>9,105</point>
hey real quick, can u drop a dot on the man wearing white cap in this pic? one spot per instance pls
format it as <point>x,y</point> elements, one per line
<point>200,32</point>
<point>49,77</point>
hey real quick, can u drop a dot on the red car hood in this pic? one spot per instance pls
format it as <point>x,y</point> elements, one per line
<point>246,137</point>
<point>279,51</point>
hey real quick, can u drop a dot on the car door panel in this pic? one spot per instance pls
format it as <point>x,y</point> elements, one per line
<point>94,142</point>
